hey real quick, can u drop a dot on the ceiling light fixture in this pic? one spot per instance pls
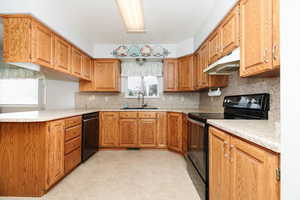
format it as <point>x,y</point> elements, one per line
<point>132,13</point>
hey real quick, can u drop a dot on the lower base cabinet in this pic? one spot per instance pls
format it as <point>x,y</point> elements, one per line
<point>147,132</point>
<point>241,170</point>
<point>128,133</point>
<point>175,131</point>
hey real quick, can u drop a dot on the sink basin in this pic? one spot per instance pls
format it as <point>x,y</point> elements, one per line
<point>139,108</point>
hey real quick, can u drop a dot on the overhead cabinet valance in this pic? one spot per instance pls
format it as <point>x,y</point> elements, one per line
<point>147,69</point>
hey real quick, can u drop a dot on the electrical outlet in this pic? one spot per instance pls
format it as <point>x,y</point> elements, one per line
<point>182,99</point>
<point>106,99</point>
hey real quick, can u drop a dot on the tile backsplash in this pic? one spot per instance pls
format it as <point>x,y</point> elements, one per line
<point>111,100</point>
<point>238,86</point>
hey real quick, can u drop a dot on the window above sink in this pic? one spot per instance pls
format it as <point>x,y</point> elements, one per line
<point>136,84</point>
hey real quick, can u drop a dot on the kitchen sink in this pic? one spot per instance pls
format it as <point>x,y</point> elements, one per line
<point>139,108</point>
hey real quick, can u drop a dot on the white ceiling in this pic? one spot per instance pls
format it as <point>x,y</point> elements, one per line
<point>166,21</point>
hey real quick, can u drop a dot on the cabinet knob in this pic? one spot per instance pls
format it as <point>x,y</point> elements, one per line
<point>275,51</point>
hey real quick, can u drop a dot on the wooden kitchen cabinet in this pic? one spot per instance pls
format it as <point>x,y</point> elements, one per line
<point>259,37</point>
<point>184,134</point>
<point>186,73</point>
<point>214,43</point>
<point>219,163</point>
<point>106,76</point>
<point>62,55</point>
<point>147,132</point>
<point>170,75</point>
<point>230,32</point>
<point>55,152</point>
<point>42,45</point>
<point>162,124</point>
<point>77,62</point>
<point>241,170</point>
<point>27,40</point>
<point>205,81</point>
<point>175,131</point>
<point>128,132</point>
<point>109,133</point>
<point>87,67</point>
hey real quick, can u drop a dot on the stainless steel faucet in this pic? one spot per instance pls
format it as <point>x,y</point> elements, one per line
<point>142,93</point>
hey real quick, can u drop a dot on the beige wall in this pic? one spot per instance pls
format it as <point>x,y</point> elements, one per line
<point>238,85</point>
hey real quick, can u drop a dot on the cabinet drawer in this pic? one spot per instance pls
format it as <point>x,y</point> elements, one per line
<point>149,115</point>
<point>73,121</point>
<point>128,114</point>
<point>72,160</point>
<point>72,133</point>
<point>72,145</point>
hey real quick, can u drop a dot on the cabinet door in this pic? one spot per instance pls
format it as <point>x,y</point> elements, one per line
<point>62,55</point>
<point>107,75</point>
<point>230,32</point>
<point>109,135</point>
<point>128,133</point>
<point>170,75</point>
<point>55,152</point>
<point>253,172</point>
<point>214,46</point>
<point>76,62</point>
<point>175,131</point>
<point>276,35</point>
<point>184,134</point>
<point>203,64</point>
<point>87,67</point>
<point>256,37</point>
<point>185,74</point>
<point>42,45</point>
<point>147,132</point>
<point>162,129</point>
<point>219,165</point>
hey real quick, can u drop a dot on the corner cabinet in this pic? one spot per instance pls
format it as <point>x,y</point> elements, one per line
<point>259,23</point>
<point>105,76</point>
<point>240,170</point>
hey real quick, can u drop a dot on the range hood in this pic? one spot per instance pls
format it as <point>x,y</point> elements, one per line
<point>226,65</point>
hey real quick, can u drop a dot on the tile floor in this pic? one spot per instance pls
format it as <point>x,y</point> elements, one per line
<point>126,175</point>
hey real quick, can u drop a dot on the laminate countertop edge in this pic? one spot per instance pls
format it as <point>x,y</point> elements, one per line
<point>50,115</point>
<point>261,132</point>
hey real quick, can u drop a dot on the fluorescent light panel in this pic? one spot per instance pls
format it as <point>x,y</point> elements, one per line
<point>132,13</point>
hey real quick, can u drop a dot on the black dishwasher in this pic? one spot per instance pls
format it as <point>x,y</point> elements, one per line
<point>90,135</point>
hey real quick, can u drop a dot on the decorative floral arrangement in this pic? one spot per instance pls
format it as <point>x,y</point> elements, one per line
<point>140,51</point>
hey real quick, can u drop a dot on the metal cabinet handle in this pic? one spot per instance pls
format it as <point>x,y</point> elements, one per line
<point>266,56</point>
<point>275,51</point>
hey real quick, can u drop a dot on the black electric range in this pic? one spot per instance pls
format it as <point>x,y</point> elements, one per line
<point>249,107</point>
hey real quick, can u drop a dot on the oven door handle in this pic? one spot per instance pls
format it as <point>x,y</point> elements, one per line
<point>196,122</point>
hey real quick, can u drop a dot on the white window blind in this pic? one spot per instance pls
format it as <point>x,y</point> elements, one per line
<point>19,91</point>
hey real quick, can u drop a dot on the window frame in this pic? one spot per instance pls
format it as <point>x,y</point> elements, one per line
<point>41,97</point>
<point>146,97</point>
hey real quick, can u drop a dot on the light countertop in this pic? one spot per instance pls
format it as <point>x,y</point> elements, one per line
<point>49,115</point>
<point>261,132</point>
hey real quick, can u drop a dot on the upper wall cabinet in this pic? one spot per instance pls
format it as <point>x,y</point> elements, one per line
<point>77,62</point>
<point>42,45</point>
<point>105,77</point>
<point>214,42</point>
<point>259,37</point>
<point>87,67</point>
<point>205,81</point>
<point>186,73</point>
<point>230,33</point>
<point>170,75</point>
<point>26,40</point>
<point>62,55</point>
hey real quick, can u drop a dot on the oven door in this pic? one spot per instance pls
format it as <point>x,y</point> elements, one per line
<point>198,146</point>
